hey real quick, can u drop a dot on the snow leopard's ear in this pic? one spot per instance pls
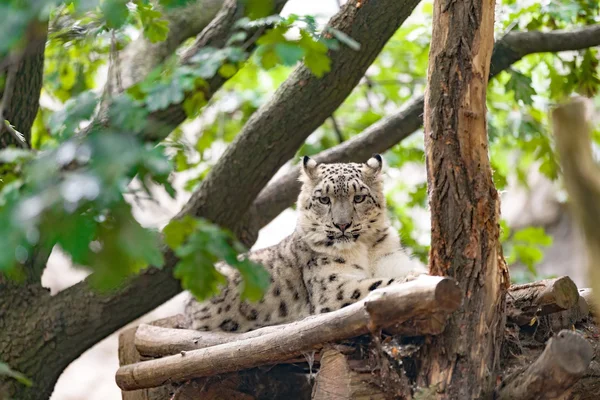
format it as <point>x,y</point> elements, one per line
<point>309,169</point>
<point>374,165</point>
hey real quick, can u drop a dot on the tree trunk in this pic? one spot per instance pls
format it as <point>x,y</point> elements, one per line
<point>464,204</point>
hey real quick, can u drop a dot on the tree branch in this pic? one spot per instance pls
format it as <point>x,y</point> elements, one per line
<point>214,34</point>
<point>226,193</point>
<point>381,308</point>
<point>142,56</point>
<point>516,45</point>
<point>389,131</point>
<point>275,140</point>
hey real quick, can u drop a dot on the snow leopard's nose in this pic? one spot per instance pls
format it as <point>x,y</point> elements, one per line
<point>343,226</point>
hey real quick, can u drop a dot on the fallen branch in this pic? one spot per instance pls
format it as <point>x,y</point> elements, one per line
<point>564,361</point>
<point>156,341</point>
<point>381,308</point>
<point>525,302</point>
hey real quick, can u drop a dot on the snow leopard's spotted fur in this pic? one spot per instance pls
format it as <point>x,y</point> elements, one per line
<point>343,248</point>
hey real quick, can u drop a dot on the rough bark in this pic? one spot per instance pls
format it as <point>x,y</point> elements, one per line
<point>464,204</point>
<point>22,106</point>
<point>91,317</point>
<point>540,298</point>
<point>215,34</point>
<point>389,131</point>
<point>564,361</point>
<point>141,55</point>
<point>279,138</point>
<point>337,380</point>
<point>94,316</point>
<point>380,309</point>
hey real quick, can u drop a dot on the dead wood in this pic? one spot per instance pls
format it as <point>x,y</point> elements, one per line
<point>568,318</point>
<point>156,341</point>
<point>531,300</point>
<point>380,309</point>
<point>563,362</point>
<point>128,354</point>
<point>586,293</point>
<point>337,380</point>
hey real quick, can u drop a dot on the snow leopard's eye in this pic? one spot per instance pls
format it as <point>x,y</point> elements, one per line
<point>359,198</point>
<point>324,200</point>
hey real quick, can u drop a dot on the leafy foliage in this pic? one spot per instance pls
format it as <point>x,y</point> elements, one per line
<point>199,245</point>
<point>524,246</point>
<point>78,178</point>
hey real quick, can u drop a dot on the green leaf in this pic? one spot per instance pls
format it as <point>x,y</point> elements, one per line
<point>289,53</point>
<point>66,121</point>
<point>7,371</point>
<point>115,12</point>
<point>156,28</point>
<point>177,231</point>
<point>255,280</point>
<point>533,235</point>
<point>315,58</point>
<point>169,4</point>
<point>256,9</point>
<point>521,86</point>
<point>162,95</point>
<point>227,70</point>
<point>127,114</point>
<point>199,277</point>
<point>194,104</point>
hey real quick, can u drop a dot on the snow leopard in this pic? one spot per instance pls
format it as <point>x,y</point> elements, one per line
<point>343,247</point>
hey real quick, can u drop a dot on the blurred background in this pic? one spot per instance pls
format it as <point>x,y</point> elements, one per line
<point>539,236</point>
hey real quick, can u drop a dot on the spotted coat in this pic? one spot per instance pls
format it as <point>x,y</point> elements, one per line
<point>343,248</point>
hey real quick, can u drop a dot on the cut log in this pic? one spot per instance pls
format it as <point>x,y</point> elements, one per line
<point>562,363</point>
<point>568,318</point>
<point>129,355</point>
<point>381,308</point>
<point>155,341</point>
<point>524,302</point>
<point>337,381</point>
<point>586,293</point>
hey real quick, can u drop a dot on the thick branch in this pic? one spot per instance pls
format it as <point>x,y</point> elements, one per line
<point>381,308</point>
<point>389,131</point>
<point>564,361</point>
<point>245,168</point>
<point>516,45</point>
<point>524,302</point>
<point>268,141</point>
<point>141,55</point>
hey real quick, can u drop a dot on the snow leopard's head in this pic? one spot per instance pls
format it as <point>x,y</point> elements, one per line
<point>340,204</point>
